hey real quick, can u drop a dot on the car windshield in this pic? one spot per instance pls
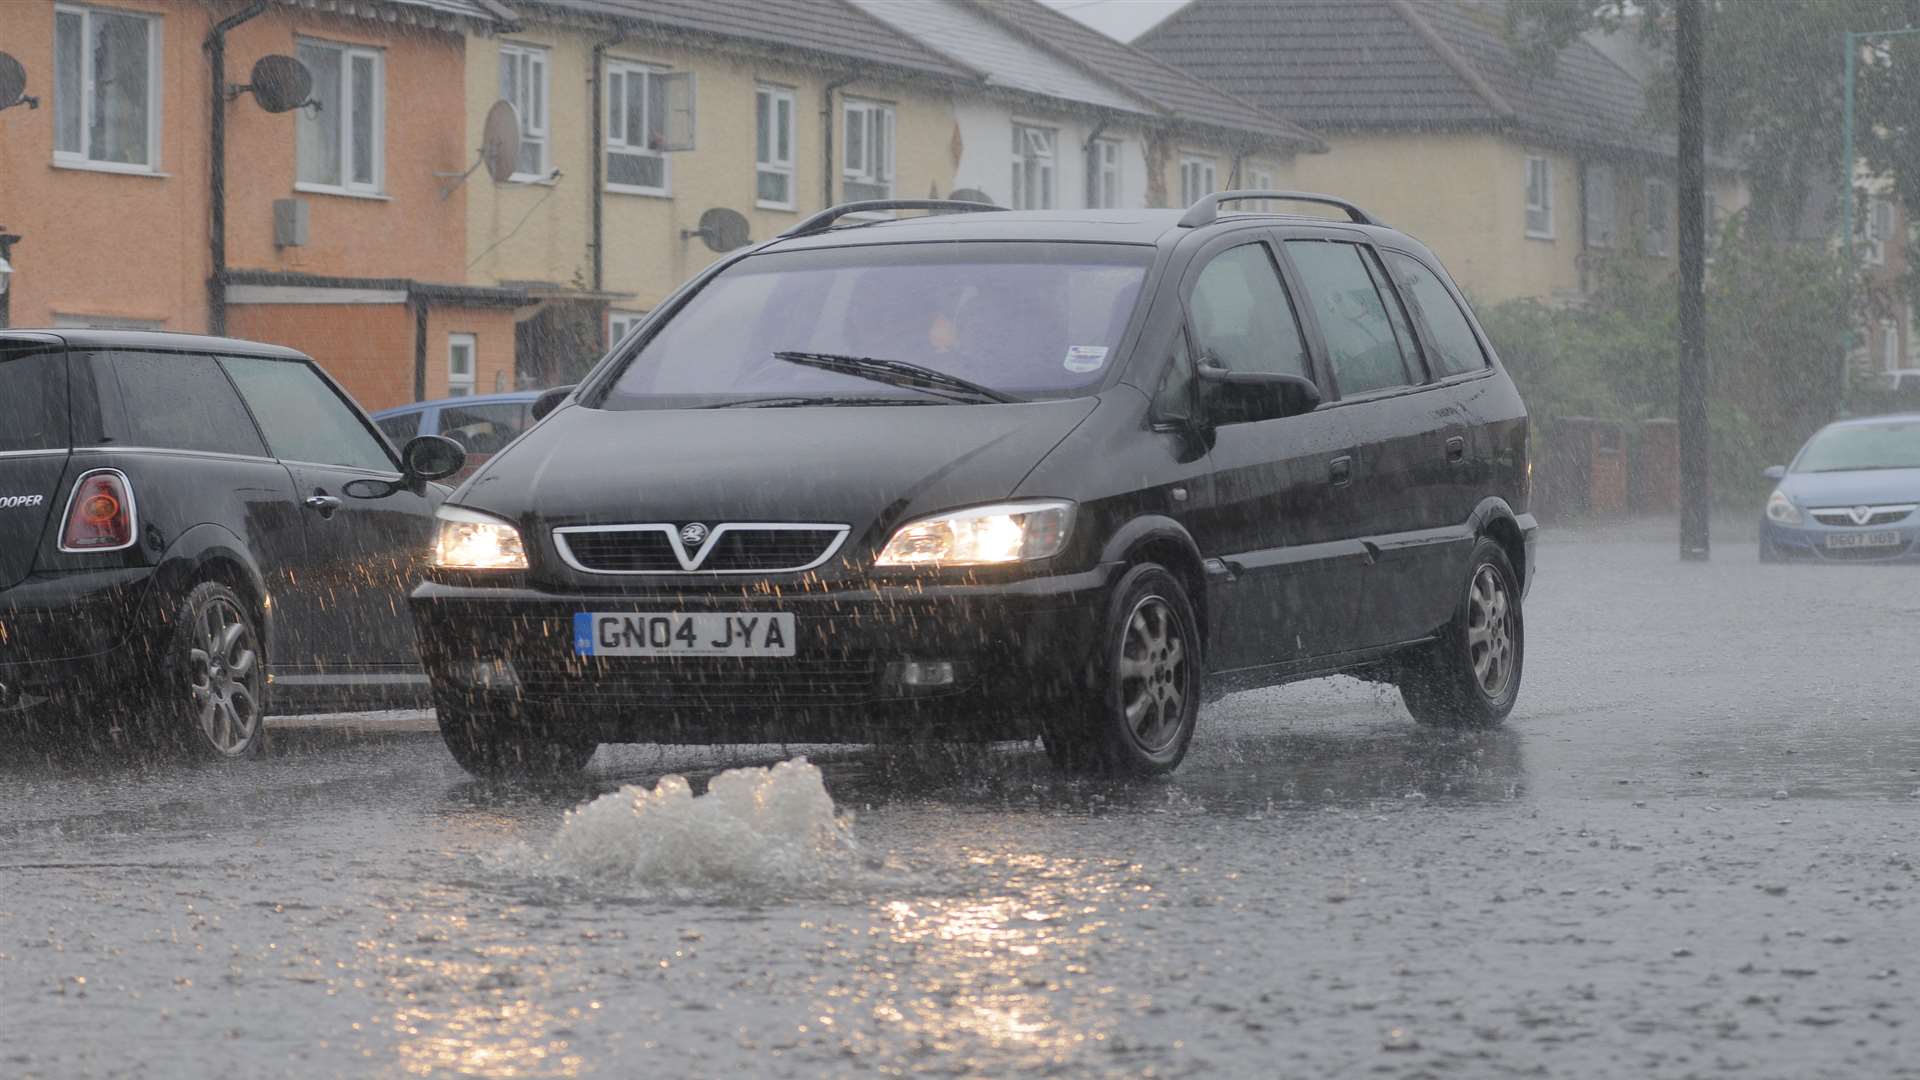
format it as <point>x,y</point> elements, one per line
<point>1030,320</point>
<point>1862,446</point>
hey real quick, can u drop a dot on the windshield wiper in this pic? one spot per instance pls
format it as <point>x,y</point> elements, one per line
<point>896,373</point>
<point>803,402</point>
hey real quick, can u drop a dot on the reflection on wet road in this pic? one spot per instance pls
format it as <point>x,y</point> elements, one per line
<point>1691,853</point>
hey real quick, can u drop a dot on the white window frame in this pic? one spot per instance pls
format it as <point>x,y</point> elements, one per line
<point>1539,200</point>
<point>1103,167</point>
<point>619,322</point>
<point>82,158</point>
<point>458,384</point>
<point>534,121</point>
<point>775,164</point>
<point>1600,207</point>
<point>876,117</point>
<point>1197,171</point>
<point>1035,164</point>
<point>1661,228</point>
<point>616,142</point>
<point>378,118</point>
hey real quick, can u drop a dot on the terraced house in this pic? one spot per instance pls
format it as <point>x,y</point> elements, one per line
<point>639,116</point>
<point>144,199</point>
<point>1519,179</point>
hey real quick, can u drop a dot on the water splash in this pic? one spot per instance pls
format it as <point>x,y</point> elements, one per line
<point>756,830</point>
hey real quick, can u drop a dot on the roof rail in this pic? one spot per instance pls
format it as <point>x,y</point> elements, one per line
<point>824,220</point>
<point>1207,208</point>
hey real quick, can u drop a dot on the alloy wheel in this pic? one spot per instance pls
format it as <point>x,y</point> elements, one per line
<point>1490,631</point>
<point>1153,674</point>
<point>223,666</point>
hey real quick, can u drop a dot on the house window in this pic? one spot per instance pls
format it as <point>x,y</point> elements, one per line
<point>773,147</point>
<point>868,161</point>
<point>1890,346</point>
<point>1260,179</point>
<point>1539,198</point>
<point>636,129</point>
<point>106,89</point>
<point>523,81</point>
<point>1599,196</point>
<point>1103,171</point>
<point>1878,226</point>
<point>460,370</point>
<point>1196,179</point>
<point>1658,239</point>
<point>620,322</point>
<point>340,144</point>
<point>1033,169</point>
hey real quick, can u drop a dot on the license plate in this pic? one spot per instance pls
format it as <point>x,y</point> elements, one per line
<point>1856,540</point>
<point>653,633</point>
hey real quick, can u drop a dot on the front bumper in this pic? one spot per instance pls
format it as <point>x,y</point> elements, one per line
<point>1016,648</point>
<point>1808,542</point>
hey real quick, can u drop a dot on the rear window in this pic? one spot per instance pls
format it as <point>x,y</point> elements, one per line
<point>33,398</point>
<point>483,429</point>
<point>402,427</point>
<point>176,401</point>
<point>1028,319</point>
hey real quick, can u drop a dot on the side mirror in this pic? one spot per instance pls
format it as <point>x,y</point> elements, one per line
<point>1240,396</point>
<point>431,457</point>
<point>549,400</point>
<point>1774,472</point>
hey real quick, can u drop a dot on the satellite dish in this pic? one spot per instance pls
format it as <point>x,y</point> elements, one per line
<point>280,83</point>
<point>13,83</point>
<point>967,194</point>
<point>722,229</point>
<point>500,141</point>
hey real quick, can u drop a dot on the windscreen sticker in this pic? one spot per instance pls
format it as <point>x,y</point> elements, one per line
<point>1085,358</point>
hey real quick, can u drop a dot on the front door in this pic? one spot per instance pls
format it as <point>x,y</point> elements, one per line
<point>345,604</point>
<point>1281,516</point>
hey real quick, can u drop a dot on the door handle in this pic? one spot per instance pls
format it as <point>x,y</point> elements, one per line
<point>1456,449</point>
<point>1340,471</point>
<point>325,504</point>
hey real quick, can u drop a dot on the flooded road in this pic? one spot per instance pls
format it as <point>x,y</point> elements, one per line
<point>1691,852</point>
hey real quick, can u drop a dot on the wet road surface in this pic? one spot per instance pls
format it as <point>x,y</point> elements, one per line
<point>1690,853</point>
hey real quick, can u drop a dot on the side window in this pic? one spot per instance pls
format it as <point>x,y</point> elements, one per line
<point>1241,317</point>
<point>304,420</point>
<point>483,429</point>
<point>177,401</point>
<point>33,398</point>
<point>1364,340</point>
<point>402,427</point>
<point>1456,349</point>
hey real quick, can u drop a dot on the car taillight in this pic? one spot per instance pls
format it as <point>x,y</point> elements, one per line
<point>99,513</point>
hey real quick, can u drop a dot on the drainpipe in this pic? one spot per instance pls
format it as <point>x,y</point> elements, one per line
<point>420,347</point>
<point>7,240</point>
<point>597,136</point>
<point>216,46</point>
<point>826,117</point>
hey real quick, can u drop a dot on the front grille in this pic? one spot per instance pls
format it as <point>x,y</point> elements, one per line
<point>1843,516</point>
<point>730,549</point>
<point>702,682</point>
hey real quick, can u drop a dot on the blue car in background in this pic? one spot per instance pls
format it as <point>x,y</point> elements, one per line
<point>1852,494</point>
<point>484,424</point>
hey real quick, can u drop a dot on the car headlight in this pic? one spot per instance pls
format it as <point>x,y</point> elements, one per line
<point>1780,509</point>
<point>469,540</point>
<point>982,536</point>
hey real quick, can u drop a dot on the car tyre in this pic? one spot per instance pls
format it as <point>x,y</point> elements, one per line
<point>212,693</point>
<point>500,746</point>
<point>1470,677</point>
<point>1142,700</point>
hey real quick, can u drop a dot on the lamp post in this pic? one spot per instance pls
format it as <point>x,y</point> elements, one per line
<point>1696,479</point>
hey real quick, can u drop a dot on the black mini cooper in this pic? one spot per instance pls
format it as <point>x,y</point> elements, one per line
<point>194,531</point>
<point>989,475</point>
